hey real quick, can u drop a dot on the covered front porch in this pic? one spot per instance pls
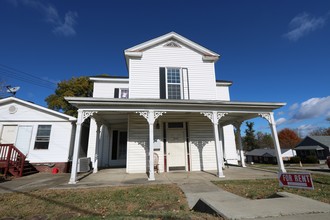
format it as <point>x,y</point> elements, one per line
<point>182,134</point>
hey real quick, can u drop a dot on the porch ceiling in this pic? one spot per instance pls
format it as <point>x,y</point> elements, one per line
<point>236,111</point>
<point>112,117</point>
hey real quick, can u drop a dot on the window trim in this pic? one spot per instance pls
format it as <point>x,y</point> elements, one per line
<point>44,139</point>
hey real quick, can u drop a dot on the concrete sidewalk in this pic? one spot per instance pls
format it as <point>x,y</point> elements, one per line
<point>198,189</point>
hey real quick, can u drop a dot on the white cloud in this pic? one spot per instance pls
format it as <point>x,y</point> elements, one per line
<point>280,113</point>
<point>305,129</point>
<point>294,106</point>
<point>66,29</point>
<point>312,108</point>
<point>51,16</point>
<point>303,24</point>
<point>280,121</point>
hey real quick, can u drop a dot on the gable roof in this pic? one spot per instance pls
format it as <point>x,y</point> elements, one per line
<point>322,139</point>
<point>137,50</point>
<point>264,152</point>
<point>37,107</point>
<point>316,147</point>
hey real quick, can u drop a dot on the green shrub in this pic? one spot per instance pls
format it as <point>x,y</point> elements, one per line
<point>310,159</point>
<point>295,159</point>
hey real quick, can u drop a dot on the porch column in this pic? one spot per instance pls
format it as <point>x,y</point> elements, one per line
<point>215,117</point>
<point>151,116</point>
<point>96,155</point>
<point>237,125</point>
<point>270,118</point>
<point>76,149</point>
<point>223,146</point>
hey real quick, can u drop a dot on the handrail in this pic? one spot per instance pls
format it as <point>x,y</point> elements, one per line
<point>13,158</point>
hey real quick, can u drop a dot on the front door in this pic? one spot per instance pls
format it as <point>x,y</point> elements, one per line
<point>23,139</point>
<point>118,149</point>
<point>8,135</point>
<point>176,158</point>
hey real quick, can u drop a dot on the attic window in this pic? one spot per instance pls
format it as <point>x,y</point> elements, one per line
<point>172,44</point>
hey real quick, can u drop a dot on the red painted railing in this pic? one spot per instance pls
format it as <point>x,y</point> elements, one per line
<point>11,159</point>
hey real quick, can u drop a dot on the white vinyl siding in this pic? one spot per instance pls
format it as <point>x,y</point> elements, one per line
<point>201,142</point>
<point>144,72</point>
<point>61,136</point>
<point>202,147</point>
<point>106,89</point>
<point>223,93</point>
<point>138,144</point>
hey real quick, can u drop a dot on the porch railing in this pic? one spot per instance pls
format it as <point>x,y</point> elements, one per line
<point>11,160</point>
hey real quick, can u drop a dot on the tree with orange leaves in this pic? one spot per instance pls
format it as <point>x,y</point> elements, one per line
<point>288,138</point>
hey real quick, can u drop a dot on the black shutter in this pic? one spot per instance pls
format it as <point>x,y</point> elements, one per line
<point>162,83</point>
<point>116,92</point>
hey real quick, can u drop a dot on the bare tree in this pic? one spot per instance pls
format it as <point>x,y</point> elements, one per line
<point>320,132</point>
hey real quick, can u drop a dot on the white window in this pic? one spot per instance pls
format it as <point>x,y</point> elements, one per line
<point>123,94</point>
<point>43,136</point>
<point>173,83</point>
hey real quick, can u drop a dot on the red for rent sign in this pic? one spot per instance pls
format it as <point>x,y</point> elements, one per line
<point>296,180</point>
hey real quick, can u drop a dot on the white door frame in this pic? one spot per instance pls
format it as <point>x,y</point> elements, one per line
<point>183,129</point>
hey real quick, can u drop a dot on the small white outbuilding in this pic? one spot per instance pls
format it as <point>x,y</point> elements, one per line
<point>45,136</point>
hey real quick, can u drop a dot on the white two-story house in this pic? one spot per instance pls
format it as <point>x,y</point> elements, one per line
<point>169,113</point>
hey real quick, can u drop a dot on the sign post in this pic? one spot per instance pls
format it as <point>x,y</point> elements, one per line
<point>296,180</point>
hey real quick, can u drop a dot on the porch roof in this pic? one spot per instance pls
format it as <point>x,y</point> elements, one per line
<point>236,111</point>
<point>316,147</point>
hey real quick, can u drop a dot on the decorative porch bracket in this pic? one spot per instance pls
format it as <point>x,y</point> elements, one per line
<point>82,116</point>
<point>151,116</point>
<point>237,125</point>
<point>270,118</point>
<point>215,116</point>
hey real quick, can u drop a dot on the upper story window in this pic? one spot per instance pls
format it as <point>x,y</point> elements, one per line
<point>43,136</point>
<point>121,93</point>
<point>173,83</point>
<point>173,86</point>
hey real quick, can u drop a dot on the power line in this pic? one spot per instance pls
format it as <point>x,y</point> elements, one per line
<point>26,77</point>
<point>24,80</point>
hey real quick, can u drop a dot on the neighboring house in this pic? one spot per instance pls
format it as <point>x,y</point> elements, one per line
<point>314,146</point>
<point>169,107</point>
<point>268,155</point>
<point>43,135</point>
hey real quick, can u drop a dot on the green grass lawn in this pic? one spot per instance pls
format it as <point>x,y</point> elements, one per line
<point>135,202</point>
<point>267,188</point>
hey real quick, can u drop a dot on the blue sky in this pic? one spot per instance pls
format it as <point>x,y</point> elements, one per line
<point>272,50</point>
